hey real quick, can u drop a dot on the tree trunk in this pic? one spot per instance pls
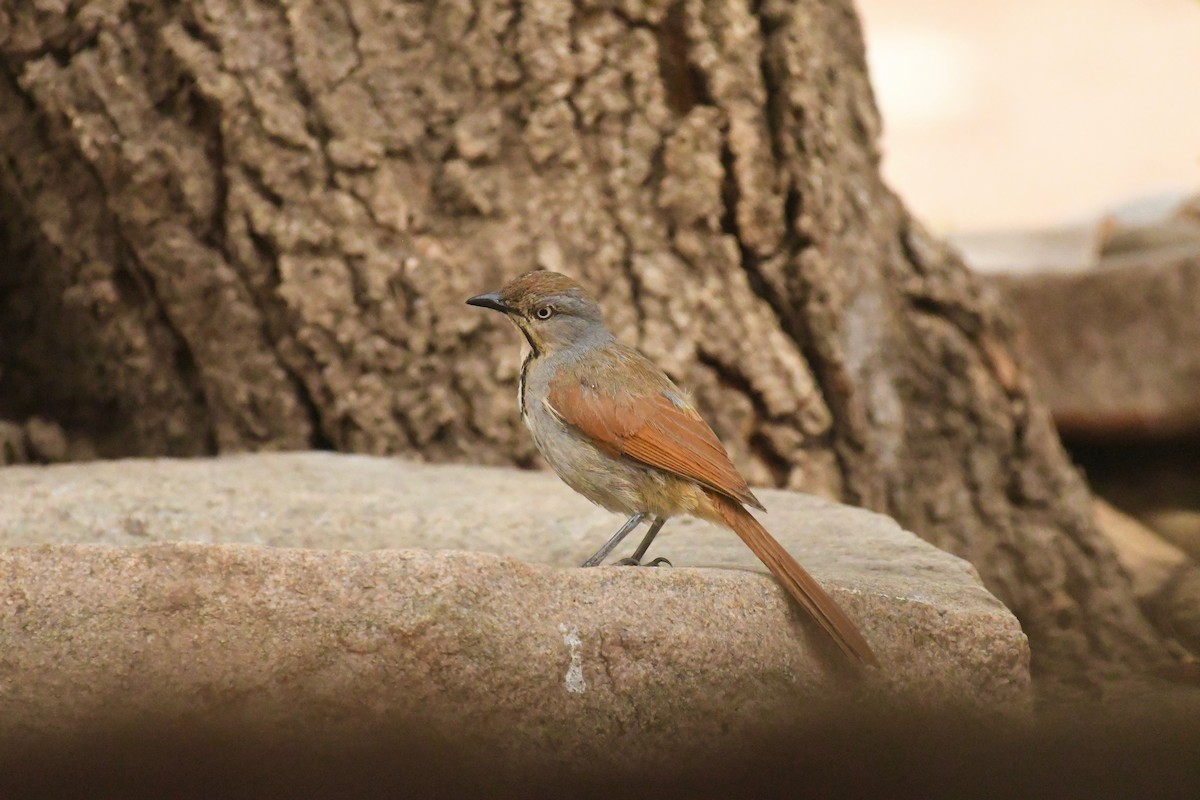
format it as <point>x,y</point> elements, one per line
<point>232,225</point>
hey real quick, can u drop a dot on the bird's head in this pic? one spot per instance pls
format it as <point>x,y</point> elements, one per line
<point>552,310</point>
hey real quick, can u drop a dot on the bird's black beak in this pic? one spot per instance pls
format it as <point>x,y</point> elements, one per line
<point>491,300</point>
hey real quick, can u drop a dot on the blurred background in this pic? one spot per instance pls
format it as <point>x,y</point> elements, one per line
<point>1056,145</point>
<point>1028,115</point>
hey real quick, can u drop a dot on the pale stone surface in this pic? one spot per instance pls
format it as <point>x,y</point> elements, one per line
<point>145,586</point>
<point>1115,351</point>
<point>1165,579</point>
<point>1150,560</point>
<point>1180,526</point>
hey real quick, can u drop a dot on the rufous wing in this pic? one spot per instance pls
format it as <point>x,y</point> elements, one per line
<point>654,428</point>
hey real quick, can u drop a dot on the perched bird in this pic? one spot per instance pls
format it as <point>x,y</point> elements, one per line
<point>617,430</point>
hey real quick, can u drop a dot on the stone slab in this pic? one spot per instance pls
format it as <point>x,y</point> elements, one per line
<point>314,588</point>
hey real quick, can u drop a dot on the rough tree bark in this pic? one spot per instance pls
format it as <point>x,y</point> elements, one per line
<point>231,224</point>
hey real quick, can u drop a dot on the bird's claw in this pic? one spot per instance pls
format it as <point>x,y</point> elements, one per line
<point>633,562</point>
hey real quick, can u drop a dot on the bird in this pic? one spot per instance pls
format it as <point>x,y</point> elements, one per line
<point>619,431</point>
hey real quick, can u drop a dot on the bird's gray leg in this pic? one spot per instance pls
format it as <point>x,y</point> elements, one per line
<point>636,559</point>
<point>603,552</point>
<point>650,534</point>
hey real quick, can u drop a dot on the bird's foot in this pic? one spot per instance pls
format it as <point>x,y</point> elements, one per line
<point>633,562</point>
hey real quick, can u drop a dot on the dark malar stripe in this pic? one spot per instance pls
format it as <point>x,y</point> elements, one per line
<point>521,386</point>
<point>533,353</point>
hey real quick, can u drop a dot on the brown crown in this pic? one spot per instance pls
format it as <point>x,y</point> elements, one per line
<point>534,286</point>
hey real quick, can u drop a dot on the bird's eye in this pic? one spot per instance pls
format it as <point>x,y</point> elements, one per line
<point>545,312</point>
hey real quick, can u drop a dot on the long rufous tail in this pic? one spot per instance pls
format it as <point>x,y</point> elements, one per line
<point>796,580</point>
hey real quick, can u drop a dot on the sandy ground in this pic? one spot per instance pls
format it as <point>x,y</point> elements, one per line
<point>1035,113</point>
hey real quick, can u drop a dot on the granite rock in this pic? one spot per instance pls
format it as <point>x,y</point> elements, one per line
<point>313,589</point>
<point>1115,351</point>
<point>1165,579</point>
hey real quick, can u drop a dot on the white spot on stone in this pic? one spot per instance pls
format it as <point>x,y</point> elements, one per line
<point>574,680</point>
